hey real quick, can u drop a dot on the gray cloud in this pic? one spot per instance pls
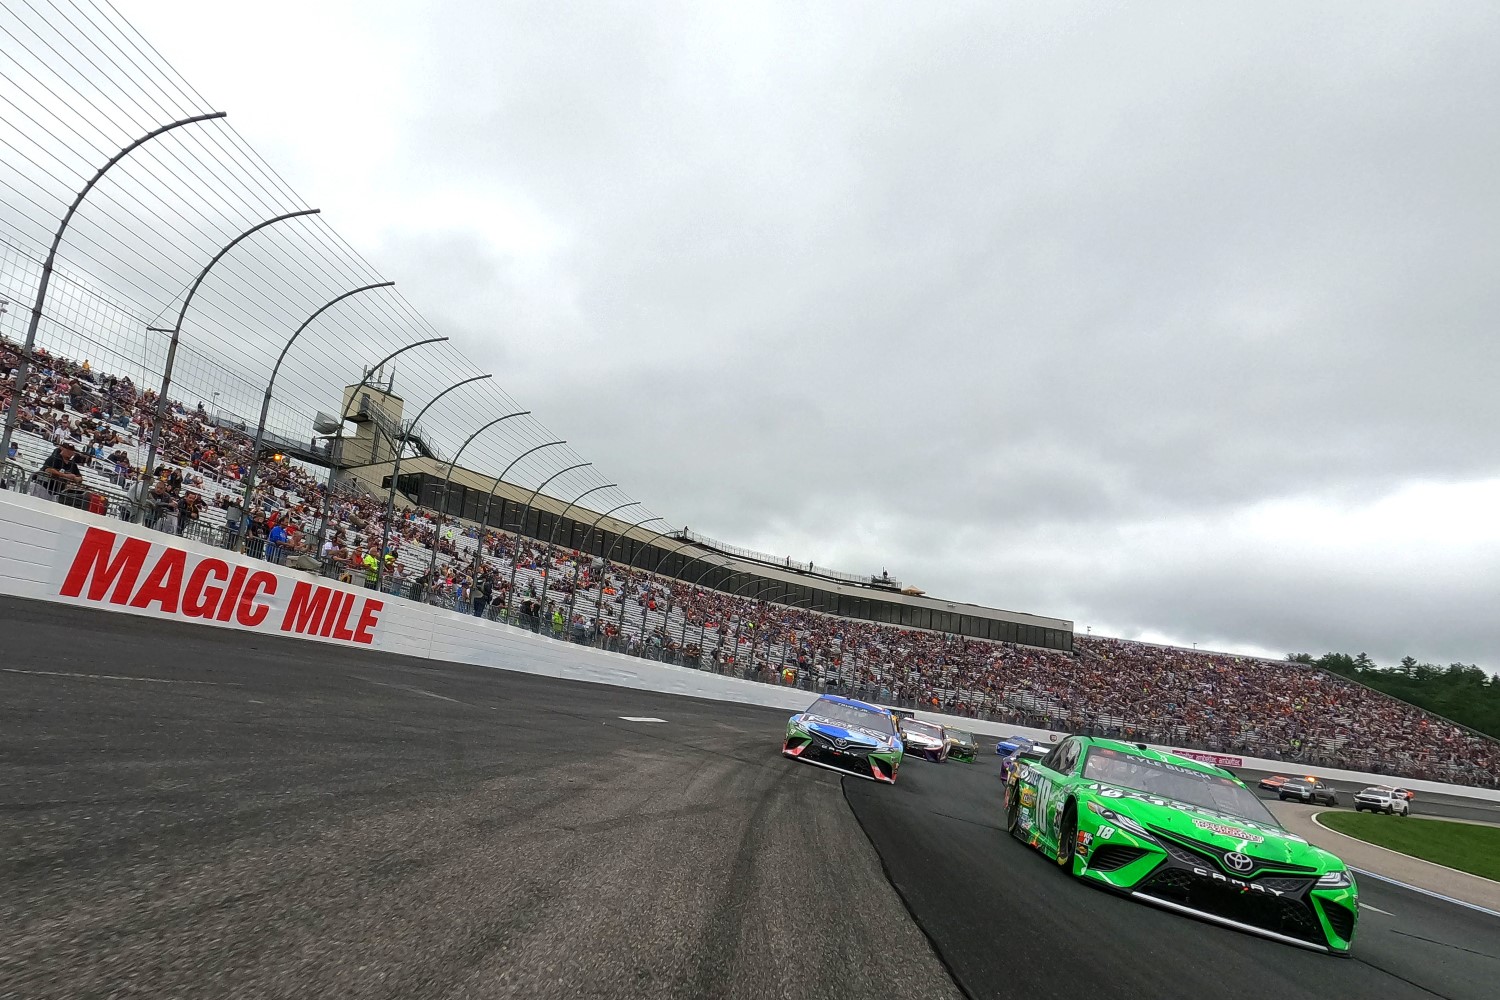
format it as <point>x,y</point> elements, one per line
<point>975,291</point>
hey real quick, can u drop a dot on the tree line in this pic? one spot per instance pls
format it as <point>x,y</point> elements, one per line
<point>1460,691</point>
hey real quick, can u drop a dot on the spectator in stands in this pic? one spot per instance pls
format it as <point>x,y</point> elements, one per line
<point>483,593</point>
<point>121,467</point>
<point>276,543</point>
<point>234,522</point>
<point>59,473</point>
<point>165,503</point>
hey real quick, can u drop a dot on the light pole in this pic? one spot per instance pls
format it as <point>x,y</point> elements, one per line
<point>573,581</point>
<point>265,402</point>
<point>175,330</point>
<point>485,521</point>
<point>23,366</point>
<point>552,537</point>
<point>390,497</point>
<point>515,562</point>
<point>336,453</point>
<point>448,479</point>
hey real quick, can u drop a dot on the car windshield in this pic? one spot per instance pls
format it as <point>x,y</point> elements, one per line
<point>1379,792</point>
<point>924,729</point>
<point>960,736</point>
<point>852,715</point>
<point>1174,781</point>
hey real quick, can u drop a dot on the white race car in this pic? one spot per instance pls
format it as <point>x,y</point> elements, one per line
<point>925,740</point>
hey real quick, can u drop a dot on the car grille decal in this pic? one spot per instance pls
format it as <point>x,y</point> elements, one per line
<point>1197,854</point>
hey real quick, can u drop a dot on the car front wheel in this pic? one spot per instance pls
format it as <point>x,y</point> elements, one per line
<point>1067,838</point>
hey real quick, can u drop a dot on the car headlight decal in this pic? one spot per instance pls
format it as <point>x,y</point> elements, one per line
<point>1335,880</point>
<point>1124,822</point>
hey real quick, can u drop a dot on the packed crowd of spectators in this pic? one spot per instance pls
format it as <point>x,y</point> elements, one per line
<point>1226,703</point>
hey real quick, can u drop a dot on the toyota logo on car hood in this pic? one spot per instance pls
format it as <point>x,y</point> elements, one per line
<point>1239,862</point>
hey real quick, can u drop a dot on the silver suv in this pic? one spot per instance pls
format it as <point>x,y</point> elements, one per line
<point>1311,792</point>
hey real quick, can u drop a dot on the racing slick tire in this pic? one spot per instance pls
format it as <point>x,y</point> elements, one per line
<point>1067,837</point>
<point>1013,812</point>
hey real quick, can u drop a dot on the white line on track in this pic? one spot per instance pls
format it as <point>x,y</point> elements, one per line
<point>1367,906</point>
<point>1428,892</point>
<point>113,677</point>
<point>417,690</point>
<point>641,718</point>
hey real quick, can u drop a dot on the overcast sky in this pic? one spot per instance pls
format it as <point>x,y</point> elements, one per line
<point>1176,320</point>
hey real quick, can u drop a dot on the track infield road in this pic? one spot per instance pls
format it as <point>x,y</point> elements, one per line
<point>193,812</point>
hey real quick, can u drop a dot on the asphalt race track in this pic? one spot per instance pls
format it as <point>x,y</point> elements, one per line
<point>193,812</point>
<point>1008,922</point>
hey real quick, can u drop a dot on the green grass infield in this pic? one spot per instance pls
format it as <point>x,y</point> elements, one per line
<point>1465,846</point>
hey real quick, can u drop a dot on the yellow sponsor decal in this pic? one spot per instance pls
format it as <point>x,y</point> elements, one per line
<point>1028,797</point>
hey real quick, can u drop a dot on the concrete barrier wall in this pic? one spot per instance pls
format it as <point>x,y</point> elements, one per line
<point>54,553</point>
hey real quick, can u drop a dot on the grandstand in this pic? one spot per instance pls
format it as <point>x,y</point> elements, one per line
<point>645,601</point>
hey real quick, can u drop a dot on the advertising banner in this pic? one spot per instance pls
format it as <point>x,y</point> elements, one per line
<point>158,575</point>
<point>1216,759</point>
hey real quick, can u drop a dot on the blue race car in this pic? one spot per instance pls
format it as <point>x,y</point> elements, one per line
<point>1031,753</point>
<point>842,734</point>
<point>1010,744</point>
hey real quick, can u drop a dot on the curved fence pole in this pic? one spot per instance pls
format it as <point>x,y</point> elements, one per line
<point>390,496</point>
<point>265,403</point>
<point>583,545</point>
<point>629,571</point>
<point>693,590</point>
<point>336,448</point>
<point>515,561</point>
<point>552,536</point>
<point>23,366</point>
<point>447,482</point>
<point>485,520</point>
<point>160,411</point>
<point>604,571</point>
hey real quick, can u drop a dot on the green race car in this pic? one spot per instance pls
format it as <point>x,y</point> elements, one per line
<point>1183,836</point>
<point>961,746</point>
